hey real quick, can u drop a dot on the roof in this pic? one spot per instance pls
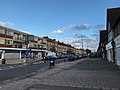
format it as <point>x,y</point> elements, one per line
<point>115,22</point>
<point>103,36</point>
<point>112,15</point>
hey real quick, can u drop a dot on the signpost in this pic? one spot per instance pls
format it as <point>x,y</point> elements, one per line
<point>27,39</point>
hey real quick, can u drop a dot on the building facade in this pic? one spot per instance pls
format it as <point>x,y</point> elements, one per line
<point>113,27</point>
<point>116,42</point>
<point>102,44</point>
<point>13,44</point>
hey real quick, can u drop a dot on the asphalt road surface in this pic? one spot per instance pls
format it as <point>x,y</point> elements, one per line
<point>12,71</point>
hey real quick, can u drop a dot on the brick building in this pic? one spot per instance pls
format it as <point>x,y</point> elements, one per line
<point>13,44</point>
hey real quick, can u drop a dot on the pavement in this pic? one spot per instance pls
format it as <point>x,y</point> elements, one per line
<point>17,63</point>
<point>83,74</point>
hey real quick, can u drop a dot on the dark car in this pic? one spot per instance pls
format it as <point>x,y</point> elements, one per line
<point>50,57</point>
<point>71,58</point>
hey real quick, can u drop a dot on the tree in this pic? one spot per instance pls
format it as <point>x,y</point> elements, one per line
<point>70,52</point>
<point>53,49</point>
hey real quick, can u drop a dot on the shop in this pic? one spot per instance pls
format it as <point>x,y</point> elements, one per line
<point>117,49</point>
<point>109,52</point>
<point>2,53</point>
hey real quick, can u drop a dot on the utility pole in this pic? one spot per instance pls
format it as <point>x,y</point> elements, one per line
<point>82,44</point>
<point>80,36</point>
<point>82,41</point>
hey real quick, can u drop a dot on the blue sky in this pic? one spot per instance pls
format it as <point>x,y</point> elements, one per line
<point>64,20</point>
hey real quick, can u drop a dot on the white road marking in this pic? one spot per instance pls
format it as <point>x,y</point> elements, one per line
<point>20,65</point>
<point>35,63</point>
<point>0,69</point>
<point>11,67</point>
<point>0,87</point>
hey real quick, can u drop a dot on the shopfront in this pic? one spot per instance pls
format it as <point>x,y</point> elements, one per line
<point>117,45</point>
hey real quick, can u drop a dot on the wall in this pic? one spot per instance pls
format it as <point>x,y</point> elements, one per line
<point>117,45</point>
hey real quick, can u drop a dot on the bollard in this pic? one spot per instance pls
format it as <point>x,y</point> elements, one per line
<point>3,61</point>
<point>64,59</point>
<point>25,62</point>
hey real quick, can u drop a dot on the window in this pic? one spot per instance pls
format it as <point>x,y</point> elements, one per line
<point>2,41</point>
<point>36,39</point>
<point>8,33</point>
<point>8,42</point>
<point>2,31</point>
<point>16,36</point>
<point>34,45</point>
<point>40,46</point>
<point>44,41</point>
<point>24,37</point>
<point>39,40</point>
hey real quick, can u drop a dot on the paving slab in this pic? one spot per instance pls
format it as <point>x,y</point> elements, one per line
<point>85,74</point>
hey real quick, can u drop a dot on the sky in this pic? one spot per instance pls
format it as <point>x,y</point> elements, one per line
<point>68,21</point>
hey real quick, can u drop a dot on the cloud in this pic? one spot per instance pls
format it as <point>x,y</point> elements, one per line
<point>58,31</point>
<point>76,41</point>
<point>87,43</point>
<point>99,26</point>
<point>80,27</point>
<point>96,35</point>
<point>7,23</point>
<point>89,40</point>
<point>77,45</point>
<point>80,36</point>
<point>71,41</point>
<point>91,44</point>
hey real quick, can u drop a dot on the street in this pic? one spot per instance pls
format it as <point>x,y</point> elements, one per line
<point>59,45</point>
<point>82,74</point>
<point>11,71</point>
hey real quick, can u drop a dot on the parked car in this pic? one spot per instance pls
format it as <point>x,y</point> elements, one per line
<point>71,58</point>
<point>60,56</point>
<point>50,57</point>
<point>66,56</point>
<point>76,57</point>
